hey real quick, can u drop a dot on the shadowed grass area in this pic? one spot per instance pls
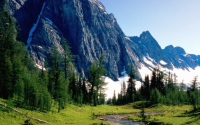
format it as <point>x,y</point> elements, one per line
<point>84,115</point>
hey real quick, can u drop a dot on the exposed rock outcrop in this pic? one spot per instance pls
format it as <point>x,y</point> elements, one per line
<point>91,31</point>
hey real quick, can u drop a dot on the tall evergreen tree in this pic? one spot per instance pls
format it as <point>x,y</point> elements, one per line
<point>114,100</point>
<point>7,37</point>
<point>153,80</point>
<point>147,87</point>
<point>54,70</point>
<point>68,57</point>
<point>194,93</point>
<point>155,97</point>
<point>131,84</point>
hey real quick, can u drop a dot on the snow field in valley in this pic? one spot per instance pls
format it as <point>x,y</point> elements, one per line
<point>182,75</point>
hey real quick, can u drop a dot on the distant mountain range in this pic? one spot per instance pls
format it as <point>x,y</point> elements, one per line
<point>91,31</point>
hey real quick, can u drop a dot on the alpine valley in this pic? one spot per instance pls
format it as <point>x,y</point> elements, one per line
<point>91,31</point>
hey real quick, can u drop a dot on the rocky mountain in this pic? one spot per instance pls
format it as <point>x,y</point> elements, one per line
<point>91,31</point>
<point>151,50</point>
<point>181,59</point>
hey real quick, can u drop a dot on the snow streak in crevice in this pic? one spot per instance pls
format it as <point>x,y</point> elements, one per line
<point>33,28</point>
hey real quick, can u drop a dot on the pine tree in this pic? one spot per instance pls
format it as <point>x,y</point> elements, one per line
<point>160,84</point>
<point>155,96</point>
<point>62,93</point>
<point>73,86</point>
<point>147,87</point>
<point>194,93</point>
<point>114,100</point>
<point>57,85</point>
<point>131,84</point>
<point>54,70</point>
<point>7,37</point>
<point>68,57</point>
<point>96,70</point>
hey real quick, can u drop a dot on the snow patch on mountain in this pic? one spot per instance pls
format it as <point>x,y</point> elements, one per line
<point>50,22</point>
<point>148,61</point>
<point>123,73</point>
<point>182,75</point>
<point>34,27</point>
<point>145,71</point>
<point>163,62</point>
<point>185,55</point>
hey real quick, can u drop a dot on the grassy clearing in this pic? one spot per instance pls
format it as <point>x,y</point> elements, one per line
<point>71,115</point>
<point>178,115</point>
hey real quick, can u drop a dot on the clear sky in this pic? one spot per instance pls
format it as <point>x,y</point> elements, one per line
<point>170,22</point>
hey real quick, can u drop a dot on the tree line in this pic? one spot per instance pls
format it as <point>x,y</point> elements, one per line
<point>160,88</point>
<point>56,84</point>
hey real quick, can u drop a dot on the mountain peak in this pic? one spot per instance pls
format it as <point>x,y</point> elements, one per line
<point>99,4</point>
<point>169,47</point>
<point>145,33</point>
<point>180,50</point>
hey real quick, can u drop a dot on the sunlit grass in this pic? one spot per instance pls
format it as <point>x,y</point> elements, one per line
<point>79,115</point>
<point>178,115</point>
<point>86,115</point>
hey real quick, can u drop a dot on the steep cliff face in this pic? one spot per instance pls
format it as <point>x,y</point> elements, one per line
<point>150,49</point>
<point>90,31</point>
<point>26,13</point>
<point>181,59</point>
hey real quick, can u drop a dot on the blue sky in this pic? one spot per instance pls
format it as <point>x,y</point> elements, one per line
<point>171,22</point>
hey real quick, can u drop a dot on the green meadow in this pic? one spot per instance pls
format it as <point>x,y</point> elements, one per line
<point>72,114</point>
<point>86,115</point>
<point>170,115</point>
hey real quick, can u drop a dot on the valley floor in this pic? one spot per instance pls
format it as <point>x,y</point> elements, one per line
<point>86,115</point>
<point>170,115</point>
<point>78,115</point>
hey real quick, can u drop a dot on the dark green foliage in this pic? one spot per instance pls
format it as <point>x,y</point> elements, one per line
<point>84,91</point>
<point>109,101</point>
<point>96,70</point>
<point>7,54</point>
<point>131,90</point>
<point>114,100</point>
<point>163,89</point>
<point>194,96</point>
<point>68,58</point>
<point>57,84</point>
<point>157,80</point>
<point>153,80</point>
<point>145,88</point>
<point>101,98</point>
<point>155,96</point>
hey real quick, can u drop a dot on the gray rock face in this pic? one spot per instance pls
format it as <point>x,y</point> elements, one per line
<point>91,31</point>
<point>26,13</point>
<point>149,47</point>
<point>181,59</point>
<point>180,50</point>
